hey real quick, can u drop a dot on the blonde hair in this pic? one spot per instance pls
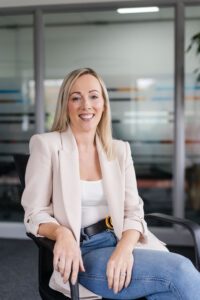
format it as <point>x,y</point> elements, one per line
<point>61,118</point>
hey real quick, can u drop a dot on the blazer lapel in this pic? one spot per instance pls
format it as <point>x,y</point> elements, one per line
<point>71,188</point>
<point>112,183</point>
<point>70,180</point>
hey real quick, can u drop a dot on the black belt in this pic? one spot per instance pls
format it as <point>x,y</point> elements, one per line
<point>97,227</point>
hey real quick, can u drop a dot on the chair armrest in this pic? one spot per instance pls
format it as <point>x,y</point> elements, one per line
<point>49,244</point>
<point>193,227</point>
<point>42,241</point>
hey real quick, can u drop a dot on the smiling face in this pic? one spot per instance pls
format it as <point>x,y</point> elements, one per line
<point>85,104</point>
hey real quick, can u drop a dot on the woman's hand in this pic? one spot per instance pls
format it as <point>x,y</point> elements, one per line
<point>120,264</point>
<point>119,267</point>
<point>67,255</point>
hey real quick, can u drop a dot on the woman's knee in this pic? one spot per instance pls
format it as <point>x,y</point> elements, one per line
<point>183,265</point>
<point>182,272</point>
<point>178,265</point>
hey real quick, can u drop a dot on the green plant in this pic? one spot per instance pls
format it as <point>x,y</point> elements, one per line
<point>195,40</point>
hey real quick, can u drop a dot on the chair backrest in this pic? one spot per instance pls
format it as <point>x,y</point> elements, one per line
<point>21,163</point>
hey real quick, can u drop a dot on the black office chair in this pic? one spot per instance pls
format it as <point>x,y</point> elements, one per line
<point>46,246</point>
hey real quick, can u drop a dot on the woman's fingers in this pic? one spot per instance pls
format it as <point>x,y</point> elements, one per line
<point>71,267</point>
<point>61,265</point>
<point>81,264</point>
<point>67,270</point>
<point>75,269</point>
<point>116,276</point>
<point>122,278</point>
<point>128,275</point>
<point>67,257</point>
<point>55,262</point>
<point>119,275</point>
<point>116,280</point>
<point>110,274</point>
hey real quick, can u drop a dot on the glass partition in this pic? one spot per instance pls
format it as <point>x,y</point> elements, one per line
<point>192,113</point>
<point>134,54</point>
<point>16,107</point>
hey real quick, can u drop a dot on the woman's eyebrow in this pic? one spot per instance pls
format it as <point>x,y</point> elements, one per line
<point>80,92</point>
<point>94,91</point>
<point>75,93</point>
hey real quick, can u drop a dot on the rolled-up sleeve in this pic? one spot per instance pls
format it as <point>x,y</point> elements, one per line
<point>133,205</point>
<point>36,197</point>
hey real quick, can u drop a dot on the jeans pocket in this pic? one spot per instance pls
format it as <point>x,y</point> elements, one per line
<point>115,238</point>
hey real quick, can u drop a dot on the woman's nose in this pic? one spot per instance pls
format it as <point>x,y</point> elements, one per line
<point>86,103</point>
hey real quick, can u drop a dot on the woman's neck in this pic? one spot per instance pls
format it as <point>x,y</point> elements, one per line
<point>84,140</point>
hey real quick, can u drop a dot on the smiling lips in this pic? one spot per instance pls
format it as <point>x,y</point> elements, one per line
<point>86,116</point>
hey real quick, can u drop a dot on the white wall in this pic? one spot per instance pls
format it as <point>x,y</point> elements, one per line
<point>126,49</point>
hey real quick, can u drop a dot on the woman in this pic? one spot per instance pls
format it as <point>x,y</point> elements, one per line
<point>76,177</point>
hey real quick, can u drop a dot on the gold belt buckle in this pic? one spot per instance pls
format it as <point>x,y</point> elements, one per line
<point>108,221</point>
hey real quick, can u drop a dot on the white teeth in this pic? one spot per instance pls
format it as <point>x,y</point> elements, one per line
<point>86,116</point>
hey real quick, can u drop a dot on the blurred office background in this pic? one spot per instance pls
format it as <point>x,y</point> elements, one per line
<point>154,93</point>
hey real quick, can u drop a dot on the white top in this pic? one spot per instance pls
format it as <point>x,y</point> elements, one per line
<point>94,203</point>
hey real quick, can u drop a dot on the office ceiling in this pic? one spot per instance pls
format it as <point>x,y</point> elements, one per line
<point>19,3</point>
<point>100,17</point>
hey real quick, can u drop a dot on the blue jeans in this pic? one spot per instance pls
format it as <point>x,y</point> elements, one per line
<point>156,275</point>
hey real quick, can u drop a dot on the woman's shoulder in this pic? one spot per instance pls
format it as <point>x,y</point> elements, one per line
<point>49,138</point>
<point>120,147</point>
<point>119,143</point>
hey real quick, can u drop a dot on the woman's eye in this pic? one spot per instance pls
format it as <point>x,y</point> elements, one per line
<point>94,97</point>
<point>75,98</point>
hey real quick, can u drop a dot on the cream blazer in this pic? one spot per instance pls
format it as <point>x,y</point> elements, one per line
<point>53,192</point>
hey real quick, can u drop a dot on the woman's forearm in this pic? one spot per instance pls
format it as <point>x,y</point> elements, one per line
<point>129,239</point>
<point>53,231</point>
